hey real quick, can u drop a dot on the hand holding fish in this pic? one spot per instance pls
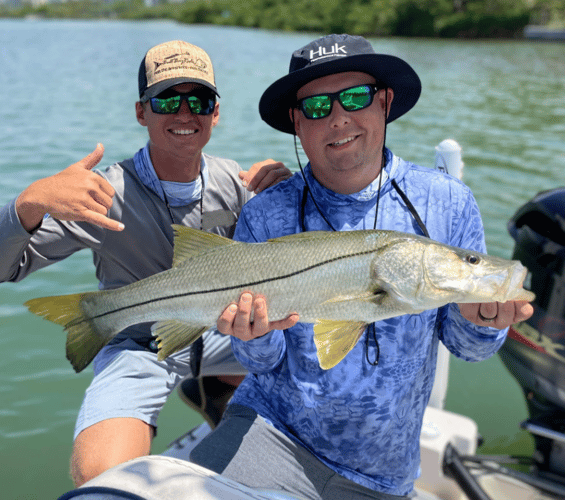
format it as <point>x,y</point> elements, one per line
<point>497,314</point>
<point>264,174</point>
<point>74,194</point>
<point>236,318</point>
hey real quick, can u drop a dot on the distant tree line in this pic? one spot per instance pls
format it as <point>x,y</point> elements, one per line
<point>421,18</point>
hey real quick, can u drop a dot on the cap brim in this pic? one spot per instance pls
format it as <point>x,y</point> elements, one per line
<point>389,70</point>
<point>156,89</point>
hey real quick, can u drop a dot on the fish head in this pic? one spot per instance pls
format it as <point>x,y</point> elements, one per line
<point>464,276</point>
<point>398,274</point>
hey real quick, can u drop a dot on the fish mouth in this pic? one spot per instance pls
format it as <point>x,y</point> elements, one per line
<point>513,287</point>
<point>505,286</point>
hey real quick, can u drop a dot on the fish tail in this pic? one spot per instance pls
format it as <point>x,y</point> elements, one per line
<point>84,340</point>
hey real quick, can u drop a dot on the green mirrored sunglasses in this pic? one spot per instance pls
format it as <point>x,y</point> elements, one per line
<point>200,102</point>
<point>351,99</point>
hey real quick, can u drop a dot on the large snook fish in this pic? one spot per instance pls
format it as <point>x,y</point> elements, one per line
<point>340,281</point>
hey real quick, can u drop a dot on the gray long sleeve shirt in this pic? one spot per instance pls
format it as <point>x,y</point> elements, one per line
<point>144,247</point>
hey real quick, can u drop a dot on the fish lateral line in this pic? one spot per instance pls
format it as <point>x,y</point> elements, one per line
<point>224,289</point>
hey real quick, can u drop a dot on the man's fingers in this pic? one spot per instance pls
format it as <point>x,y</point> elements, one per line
<point>283,324</point>
<point>497,314</point>
<point>514,312</point>
<point>260,325</point>
<point>524,310</point>
<point>92,159</point>
<point>264,174</point>
<point>225,321</point>
<point>241,323</point>
<point>488,311</point>
<point>103,196</point>
<point>105,222</point>
<point>270,178</point>
<point>235,320</point>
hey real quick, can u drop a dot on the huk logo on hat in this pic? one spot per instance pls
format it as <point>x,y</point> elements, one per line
<point>335,50</point>
<point>334,54</point>
<point>172,63</point>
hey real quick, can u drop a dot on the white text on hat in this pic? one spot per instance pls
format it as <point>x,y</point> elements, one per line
<point>325,52</point>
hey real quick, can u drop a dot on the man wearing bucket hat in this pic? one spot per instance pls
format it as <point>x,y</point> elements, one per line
<point>124,215</point>
<point>351,431</point>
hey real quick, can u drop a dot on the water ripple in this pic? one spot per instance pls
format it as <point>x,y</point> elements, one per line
<point>502,101</point>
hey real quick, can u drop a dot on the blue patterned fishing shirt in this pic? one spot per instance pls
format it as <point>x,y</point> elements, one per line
<point>362,421</point>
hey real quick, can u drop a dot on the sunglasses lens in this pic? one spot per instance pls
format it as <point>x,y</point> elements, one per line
<point>195,104</point>
<point>317,106</point>
<point>201,104</point>
<point>165,106</point>
<point>356,98</point>
<point>352,99</point>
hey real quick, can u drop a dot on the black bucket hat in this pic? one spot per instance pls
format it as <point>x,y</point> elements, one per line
<point>337,54</point>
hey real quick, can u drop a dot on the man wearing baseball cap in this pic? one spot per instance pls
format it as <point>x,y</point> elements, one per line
<point>350,431</point>
<point>124,215</point>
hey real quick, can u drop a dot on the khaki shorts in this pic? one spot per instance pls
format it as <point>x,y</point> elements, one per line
<point>130,382</point>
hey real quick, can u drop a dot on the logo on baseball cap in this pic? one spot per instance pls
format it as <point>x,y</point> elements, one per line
<point>173,63</point>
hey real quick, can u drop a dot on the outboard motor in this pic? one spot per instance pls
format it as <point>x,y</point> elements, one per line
<point>534,351</point>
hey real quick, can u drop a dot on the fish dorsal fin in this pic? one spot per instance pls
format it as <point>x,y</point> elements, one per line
<point>190,242</point>
<point>308,236</point>
<point>173,335</point>
<point>334,339</point>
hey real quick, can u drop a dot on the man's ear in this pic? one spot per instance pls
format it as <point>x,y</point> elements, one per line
<point>294,115</point>
<point>216,114</point>
<point>140,113</point>
<point>389,98</point>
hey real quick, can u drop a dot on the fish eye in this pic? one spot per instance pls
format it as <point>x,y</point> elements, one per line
<point>472,259</point>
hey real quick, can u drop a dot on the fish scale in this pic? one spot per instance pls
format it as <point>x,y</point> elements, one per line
<point>340,281</point>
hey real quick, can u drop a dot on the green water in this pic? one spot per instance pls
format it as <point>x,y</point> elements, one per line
<point>68,85</point>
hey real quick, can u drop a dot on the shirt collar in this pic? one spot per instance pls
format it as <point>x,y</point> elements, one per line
<point>177,194</point>
<point>367,194</point>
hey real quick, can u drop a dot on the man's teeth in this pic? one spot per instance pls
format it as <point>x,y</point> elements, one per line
<point>183,132</point>
<point>343,141</point>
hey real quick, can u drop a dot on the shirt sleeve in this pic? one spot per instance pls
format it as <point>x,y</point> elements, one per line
<point>13,241</point>
<point>466,340</point>
<point>463,338</point>
<point>262,354</point>
<point>23,253</point>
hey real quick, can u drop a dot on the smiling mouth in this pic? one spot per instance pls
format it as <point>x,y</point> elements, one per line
<point>341,142</point>
<point>183,131</point>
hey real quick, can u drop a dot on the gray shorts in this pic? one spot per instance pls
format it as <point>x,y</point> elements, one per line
<point>130,382</point>
<point>246,449</point>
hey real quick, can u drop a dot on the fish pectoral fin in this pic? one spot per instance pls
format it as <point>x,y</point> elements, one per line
<point>363,297</point>
<point>173,335</point>
<point>190,242</point>
<point>334,339</point>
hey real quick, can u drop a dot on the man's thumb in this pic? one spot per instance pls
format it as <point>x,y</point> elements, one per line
<point>91,160</point>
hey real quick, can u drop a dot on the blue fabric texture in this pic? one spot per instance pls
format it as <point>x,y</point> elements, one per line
<point>363,421</point>
<point>177,194</point>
